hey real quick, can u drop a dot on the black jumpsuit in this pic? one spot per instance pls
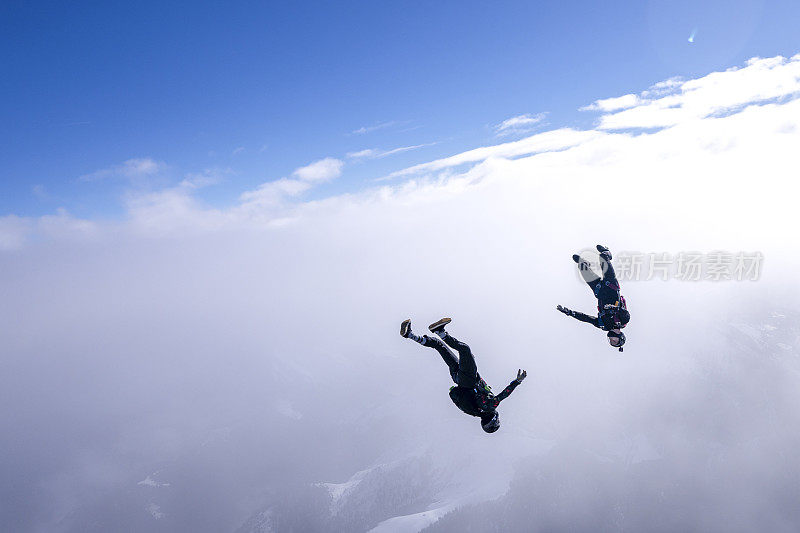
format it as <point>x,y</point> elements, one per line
<point>471,394</point>
<point>607,291</point>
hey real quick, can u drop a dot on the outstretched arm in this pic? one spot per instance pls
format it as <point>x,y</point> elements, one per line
<point>593,320</point>
<point>521,374</point>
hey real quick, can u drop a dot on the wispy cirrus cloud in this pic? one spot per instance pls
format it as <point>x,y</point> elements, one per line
<point>131,169</point>
<point>372,153</point>
<point>380,126</point>
<point>209,176</point>
<point>367,153</point>
<point>518,125</point>
<point>543,142</point>
<point>40,192</point>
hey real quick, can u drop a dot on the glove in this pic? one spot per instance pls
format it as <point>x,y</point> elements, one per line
<point>566,311</point>
<point>521,374</point>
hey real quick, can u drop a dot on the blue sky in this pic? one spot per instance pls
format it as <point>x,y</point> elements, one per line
<point>251,91</point>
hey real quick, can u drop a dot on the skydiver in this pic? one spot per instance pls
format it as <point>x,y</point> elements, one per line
<point>612,313</point>
<point>471,394</point>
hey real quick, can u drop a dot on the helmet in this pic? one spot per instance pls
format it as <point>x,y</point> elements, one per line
<point>490,423</point>
<point>620,339</point>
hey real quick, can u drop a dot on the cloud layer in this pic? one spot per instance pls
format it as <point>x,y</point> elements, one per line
<point>221,346</point>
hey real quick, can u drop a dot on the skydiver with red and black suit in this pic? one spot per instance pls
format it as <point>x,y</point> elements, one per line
<point>612,311</point>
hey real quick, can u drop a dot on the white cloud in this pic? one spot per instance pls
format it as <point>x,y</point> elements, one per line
<point>63,225</point>
<point>518,125</point>
<point>368,129</point>
<point>370,153</point>
<point>209,176</point>
<point>666,103</point>
<point>238,150</point>
<point>542,142</point>
<point>322,170</point>
<point>674,102</point>
<point>172,211</point>
<point>678,155</point>
<point>663,87</point>
<point>274,192</point>
<point>130,169</point>
<point>613,104</point>
<point>16,232</point>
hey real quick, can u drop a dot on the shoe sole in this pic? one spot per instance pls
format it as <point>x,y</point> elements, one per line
<point>405,328</point>
<point>440,324</point>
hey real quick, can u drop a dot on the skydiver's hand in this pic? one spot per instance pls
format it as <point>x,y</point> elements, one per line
<point>521,375</point>
<point>564,310</point>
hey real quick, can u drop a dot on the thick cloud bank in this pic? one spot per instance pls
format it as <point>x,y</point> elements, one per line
<point>213,369</point>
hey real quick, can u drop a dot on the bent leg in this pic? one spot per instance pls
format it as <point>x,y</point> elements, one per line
<point>448,356</point>
<point>467,368</point>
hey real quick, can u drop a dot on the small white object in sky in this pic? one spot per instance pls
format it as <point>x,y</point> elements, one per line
<point>691,37</point>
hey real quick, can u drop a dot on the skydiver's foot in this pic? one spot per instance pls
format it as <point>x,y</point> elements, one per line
<point>604,252</point>
<point>405,331</point>
<point>576,258</point>
<point>438,326</point>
